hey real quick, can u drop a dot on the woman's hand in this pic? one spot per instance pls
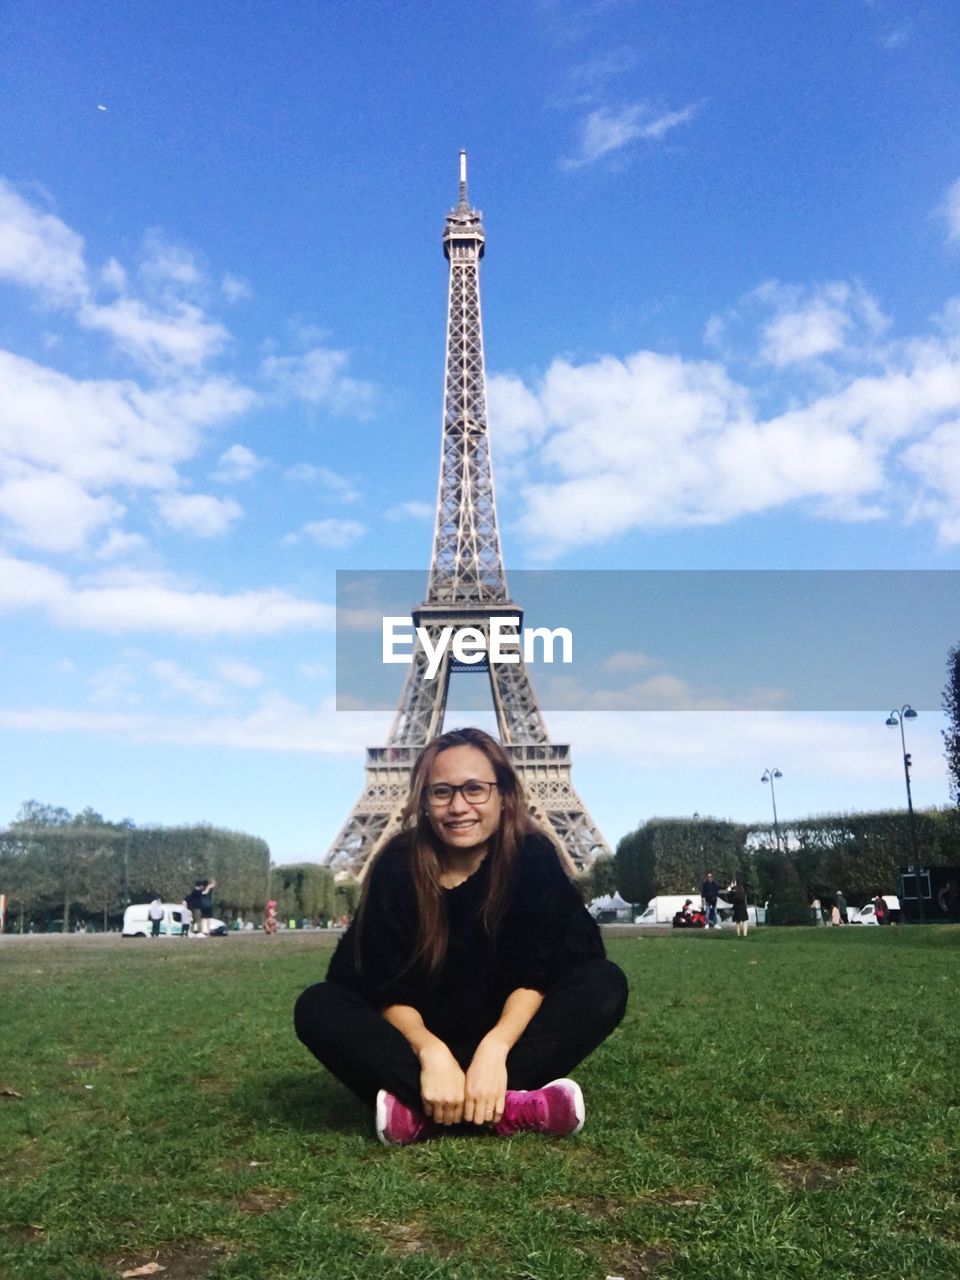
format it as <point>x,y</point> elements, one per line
<point>486,1082</point>
<point>442,1084</point>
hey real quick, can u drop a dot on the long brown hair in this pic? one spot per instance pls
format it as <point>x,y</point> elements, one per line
<point>426,863</point>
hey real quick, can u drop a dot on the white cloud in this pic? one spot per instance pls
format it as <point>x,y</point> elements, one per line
<point>331,533</point>
<point>117,544</point>
<point>181,337</point>
<point>517,419</point>
<point>802,744</point>
<point>411,511</point>
<point>816,322</point>
<point>98,434</point>
<point>627,660</point>
<point>52,512</point>
<point>603,132</point>
<point>172,679</point>
<point>660,691</point>
<point>936,460</point>
<point>115,685</point>
<point>241,674</point>
<point>590,77</point>
<point>335,485</point>
<point>39,251</point>
<point>318,377</point>
<point>198,513</point>
<point>277,724</point>
<point>114,276</point>
<point>165,265</point>
<point>140,604</point>
<point>898,37</point>
<point>950,211</point>
<point>657,441</point>
<point>236,464</point>
<point>234,289</point>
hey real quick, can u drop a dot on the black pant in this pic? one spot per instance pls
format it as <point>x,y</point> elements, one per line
<point>358,1046</point>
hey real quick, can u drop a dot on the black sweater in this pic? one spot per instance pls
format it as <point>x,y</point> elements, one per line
<point>545,931</point>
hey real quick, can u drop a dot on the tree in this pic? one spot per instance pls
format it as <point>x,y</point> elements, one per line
<point>602,878</point>
<point>25,878</point>
<point>788,900</point>
<point>104,882</point>
<point>46,831</point>
<point>951,735</point>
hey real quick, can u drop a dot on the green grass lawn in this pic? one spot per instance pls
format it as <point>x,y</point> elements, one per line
<point>785,1106</point>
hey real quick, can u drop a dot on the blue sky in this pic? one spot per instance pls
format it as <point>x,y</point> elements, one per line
<point>722,332</point>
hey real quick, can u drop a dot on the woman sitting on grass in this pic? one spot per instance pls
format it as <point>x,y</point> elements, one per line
<point>473,978</point>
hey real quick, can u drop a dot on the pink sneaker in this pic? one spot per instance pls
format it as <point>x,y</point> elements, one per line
<point>556,1109</point>
<point>398,1125</point>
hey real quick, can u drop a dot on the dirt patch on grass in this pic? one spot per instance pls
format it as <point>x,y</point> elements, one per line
<point>27,1234</point>
<point>258,1202</point>
<point>605,1209</point>
<point>598,1208</point>
<point>631,1263</point>
<point>808,1176</point>
<point>676,1199</point>
<point>214,1084</point>
<point>405,1238</point>
<point>179,1261</point>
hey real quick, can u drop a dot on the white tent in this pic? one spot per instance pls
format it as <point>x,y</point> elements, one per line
<point>614,903</point>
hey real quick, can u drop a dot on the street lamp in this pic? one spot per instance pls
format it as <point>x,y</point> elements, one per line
<point>703,863</point>
<point>897,717</point>
<point>768,776</point>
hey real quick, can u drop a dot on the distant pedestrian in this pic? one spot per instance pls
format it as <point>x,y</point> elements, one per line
<point>206,906</point>
<point>193,902</point>
<point>737,895</point>
<point>842,907</point>
<point>185,918</point>
<point>709,893</point>
<point>270,919</point>
<point>816,915</point>
<point>949,901</point>
<point>835,915</point>
<point>879,908</point>
<point>155,915</point>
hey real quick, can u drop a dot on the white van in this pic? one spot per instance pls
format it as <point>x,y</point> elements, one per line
<point>867,913</point>
<point>176,921</point>
<point>662,909</point>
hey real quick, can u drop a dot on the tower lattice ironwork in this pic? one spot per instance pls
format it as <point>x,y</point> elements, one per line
<point>467,587</point>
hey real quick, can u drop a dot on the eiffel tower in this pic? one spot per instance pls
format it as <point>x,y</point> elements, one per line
<point>467,587</point>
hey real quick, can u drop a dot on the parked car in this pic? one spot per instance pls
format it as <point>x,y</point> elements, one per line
<point>176,921</point>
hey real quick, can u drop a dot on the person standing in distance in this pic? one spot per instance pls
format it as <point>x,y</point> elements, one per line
<point>155,915</point>
<point>206,906</point>
<point>737,896</point>
<point>709,892</point>
<point>473,978</point>
<point>842,907</point>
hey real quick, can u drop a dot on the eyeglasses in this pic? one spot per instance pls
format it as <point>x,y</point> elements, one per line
<point>440,794</point>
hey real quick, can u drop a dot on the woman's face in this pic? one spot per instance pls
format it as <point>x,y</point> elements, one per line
<point>463,824</point>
